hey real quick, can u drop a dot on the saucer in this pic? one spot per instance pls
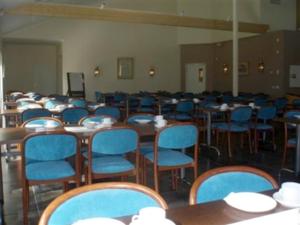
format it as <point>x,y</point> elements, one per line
<point>279,199</point>
<point>161,222</point>
<point>98,221</point>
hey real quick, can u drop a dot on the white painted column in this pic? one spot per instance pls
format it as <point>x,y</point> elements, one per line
<point>235,58</point>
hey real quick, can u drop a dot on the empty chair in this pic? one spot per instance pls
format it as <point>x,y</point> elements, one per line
<point>183,112</point>
<point>98,96</point>
<point>239,123</point>
<point>115,144</point>
<point>111,199</point>
<point>290,140</point>
<point>296,103</point>
<point>109,110</point>
<point>43,122</point>
<point>280,104</point>
<point>169,146</point>
<point>262,124</point>
<point>217,183</point>
<point>73,115</point>
<point>147,104</point>
<point>33,113</point>
<point>45,160</point>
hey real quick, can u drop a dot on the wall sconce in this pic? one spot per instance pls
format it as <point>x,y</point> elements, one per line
<point>152,72</point>
<point>225,68</point>
<point>261,66</point>
<point>97,71</point>
<point>200,75</point>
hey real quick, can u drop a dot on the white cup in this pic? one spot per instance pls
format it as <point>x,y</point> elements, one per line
<point>290,192</point>
<point>149,215</point>
<point>107,121</point>
<point>161,123</point>
<point>158,117</point>
<point>224,106</point>
<point>252,105</point>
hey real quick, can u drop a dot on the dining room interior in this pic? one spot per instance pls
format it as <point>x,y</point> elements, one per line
<point>158,97</point>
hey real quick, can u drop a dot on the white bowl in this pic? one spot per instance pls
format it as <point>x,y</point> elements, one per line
<point>142,121</point>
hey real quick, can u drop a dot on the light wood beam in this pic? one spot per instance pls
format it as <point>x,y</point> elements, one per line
<point>130,16</point>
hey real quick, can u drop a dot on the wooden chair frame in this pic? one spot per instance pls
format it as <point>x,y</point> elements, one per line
<point>203,177</point>
<point>93,187</point>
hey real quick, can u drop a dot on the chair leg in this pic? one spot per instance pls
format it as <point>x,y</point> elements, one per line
<point>249,140</point>
<point>25,202</point>
<point>284,156</point>
<point>256,137</point>
<point>273,139</point>
<point>229,144</point>
<point>156,181</point>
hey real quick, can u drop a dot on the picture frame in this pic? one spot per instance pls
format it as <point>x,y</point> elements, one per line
<point>243,68</point>
<point>125,67</point>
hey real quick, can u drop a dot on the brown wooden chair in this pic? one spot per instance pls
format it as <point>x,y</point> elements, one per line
<point>166,157</point>
<point>110,199</point>
<point>46,159</point>
<point>217,183</point>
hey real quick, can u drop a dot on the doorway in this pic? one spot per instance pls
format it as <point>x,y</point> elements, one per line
<point>195,77</point>
<point>32,65</point>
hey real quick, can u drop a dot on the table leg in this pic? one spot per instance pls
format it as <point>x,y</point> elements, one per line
<point>208,127</point>
<point>297,161</point>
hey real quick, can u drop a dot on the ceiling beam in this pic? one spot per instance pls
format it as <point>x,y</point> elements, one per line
<point>130,16</point>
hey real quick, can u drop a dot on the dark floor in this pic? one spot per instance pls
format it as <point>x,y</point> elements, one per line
<point>267,159</point>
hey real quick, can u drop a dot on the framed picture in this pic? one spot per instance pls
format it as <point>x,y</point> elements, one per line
<point>125,67</point>
<point>243,68</point>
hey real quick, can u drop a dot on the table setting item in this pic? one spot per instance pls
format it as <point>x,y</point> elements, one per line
<point>98,221</point>
<point>151,216</point>
<point>142,121</point>
<point>250,202</point>
<point>288,195</point>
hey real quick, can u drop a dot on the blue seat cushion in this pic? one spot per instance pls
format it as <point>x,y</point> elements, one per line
<point>146,148</point>
<point>111,164</point>
<point>232,127</point>
<point>261,126</point>
<point>49,170</point>
<point>84,153</point>
<point>170,158</point>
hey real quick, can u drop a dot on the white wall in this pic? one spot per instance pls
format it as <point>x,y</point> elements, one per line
<point>87,44</point>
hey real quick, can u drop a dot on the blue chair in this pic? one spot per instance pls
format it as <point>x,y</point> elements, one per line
<point>183,112</point>
<point>296,103</point>
<point>239,123</point>
<point>73,115</point>
<point>109,110</point>
<point>290,140</point>
<point>147,104</point>
<point>114,144</point>
<point>43,122</point>
<point>262,124</point>
<point>110,199</point>
<point>217,183</point>
<point>34,113</point>
<point>98,96</point>
<point>45,160</point>
<point>280,104</point>
<point>166,156</point>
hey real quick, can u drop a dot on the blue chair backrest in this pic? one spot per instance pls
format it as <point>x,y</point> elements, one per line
<point>185,106</point>
<point>112,203</point>
<point>98,96</point>
<point>266,113</point>
<point>178,136</point>
<point>133,118</point>
<point>73,115</point>
<point>115,141</point>
<point>291,114</point>
<point>280,103</point>
<point>107,110</point>
<point>220,185</point>
<point>147,101</point>
<point>241,114</point>
<point>260,101</point>
<point>33,113</point>
<point>296,103</point>
<point>48,147</point>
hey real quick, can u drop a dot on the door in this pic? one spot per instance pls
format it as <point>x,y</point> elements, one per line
<point>195,77</point>
<point>31,66</point>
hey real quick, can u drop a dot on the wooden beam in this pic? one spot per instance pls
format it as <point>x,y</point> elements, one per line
<point>129,16</point>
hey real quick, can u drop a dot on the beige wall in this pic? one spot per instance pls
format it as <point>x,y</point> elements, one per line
<point>278,50</point>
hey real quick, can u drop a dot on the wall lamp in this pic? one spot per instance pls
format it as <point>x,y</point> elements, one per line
<point>225,68</point>
<point>152,71</point>
<point>97,71</point>
<point>261,66</point>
